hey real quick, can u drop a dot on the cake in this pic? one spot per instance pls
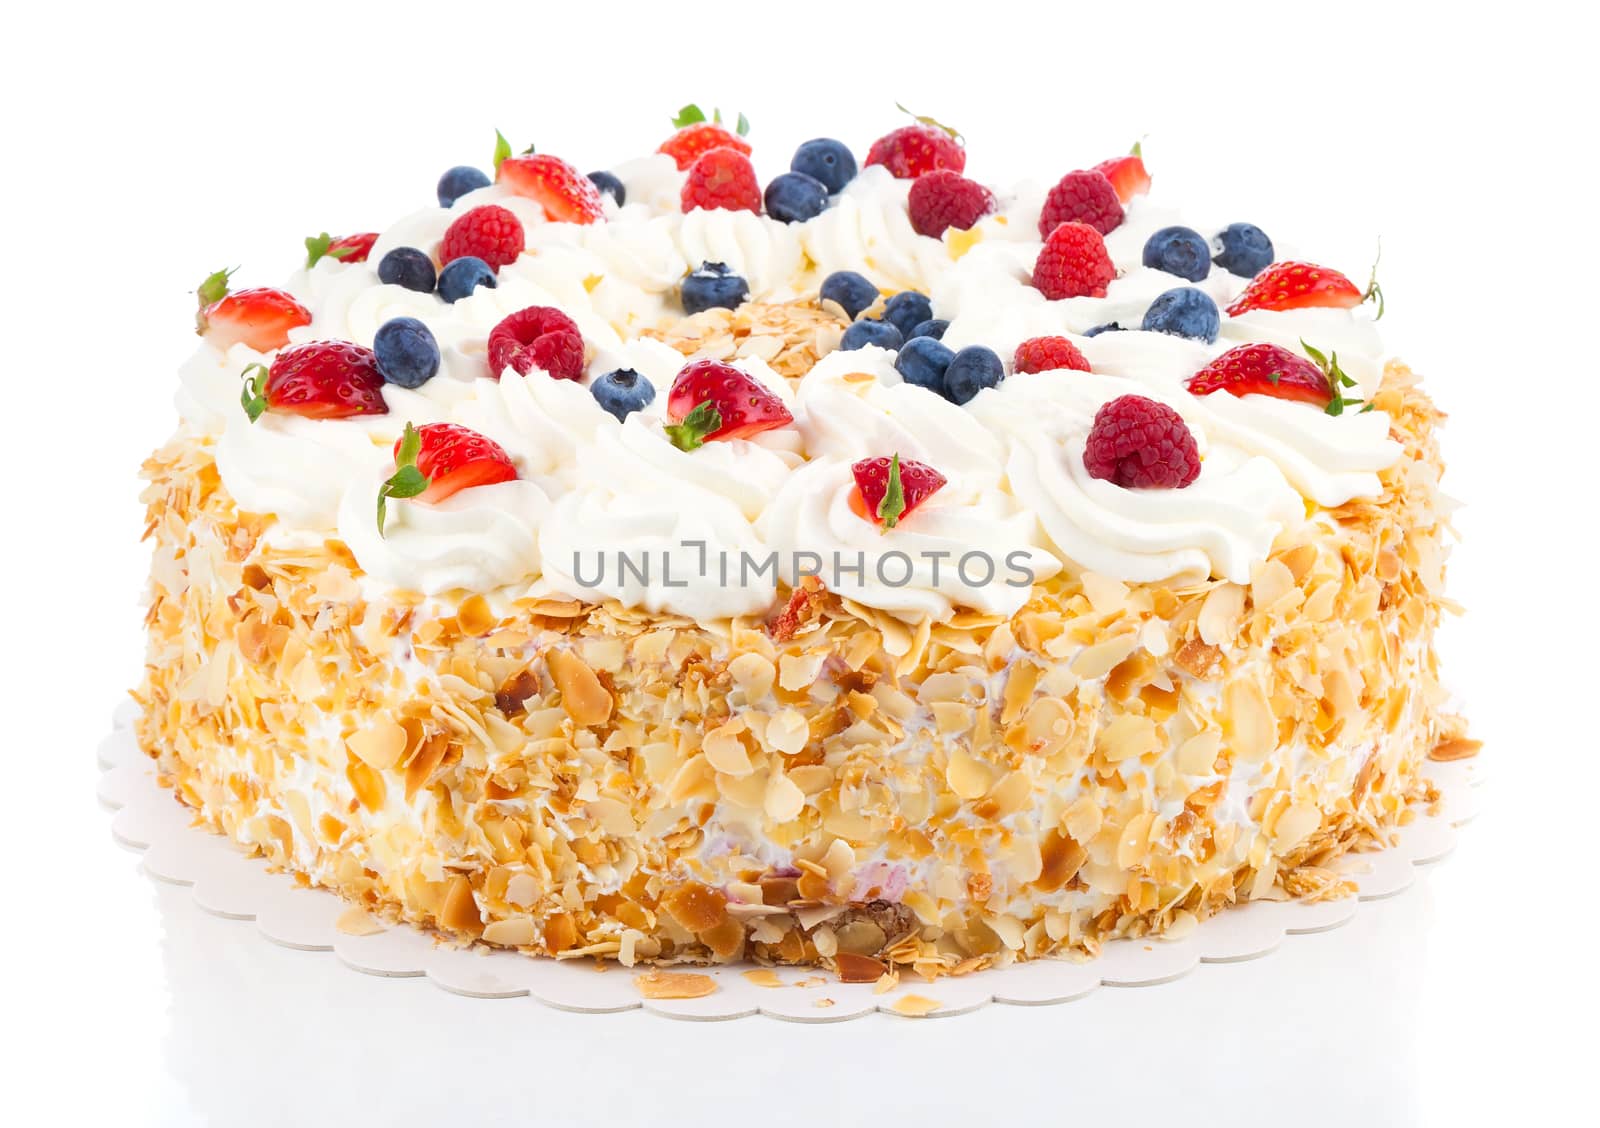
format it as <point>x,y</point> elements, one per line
<point>876,570</point>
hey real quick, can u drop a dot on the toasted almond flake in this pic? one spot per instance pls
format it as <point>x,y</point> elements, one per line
<point>1098,660</point>
<point>1106,595</point>
<point>356,921</point>
<point>726,752</point>
<point>1247,721</point>
<point>753,674</point>
<point>1220,614</point>
<point>474,616</point>
<point>968,777</point>
<point>763,977</point>
<point>614,817</point>
<point>784,800</point>
<point>1294,826</point>
<point>1198,754</point>
<point>787,732</point>
<point>859,969</point>
<point>674,985</point>
<point>379,745</point>
<point>915,1006</point>
<point>585,699</point>
<point>1456,748</point>
<point>798,671</point>
<point>1127,737</point>
<point>513,932</point>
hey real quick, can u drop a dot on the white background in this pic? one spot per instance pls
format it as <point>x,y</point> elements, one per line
<point>149,146</point>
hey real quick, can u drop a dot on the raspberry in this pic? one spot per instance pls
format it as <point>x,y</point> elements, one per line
<point>722,178</point>
<point>942,198</point>
<point>1047,354</point>
<point>912,150</point>
<point>537,337</point>
<point>1138,443</point>
<point>1073,263</point>
<point>490,233</point>
<point>1081,197</point>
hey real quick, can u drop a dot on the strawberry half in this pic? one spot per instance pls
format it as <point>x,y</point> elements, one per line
<point>260,317</point>
<point>711,400</point>
<point>320,380</point>
<point>439,460</point>
<point>565,194</point>
<point>1127,175</point>
<point>888,489</point>
<point>346,248</point>
<point>912,150</point>
<point>1271,370</point>
<point>696,136</point>
<point>1300,285</point>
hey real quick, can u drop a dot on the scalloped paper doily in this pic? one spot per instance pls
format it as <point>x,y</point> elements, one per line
<point>227,883</point>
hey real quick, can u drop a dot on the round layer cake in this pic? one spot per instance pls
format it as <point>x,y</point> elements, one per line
<point>879,568</point>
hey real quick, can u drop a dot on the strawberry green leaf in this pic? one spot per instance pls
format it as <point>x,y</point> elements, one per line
<point>894,496</point>
<point>743,128</point>
<point>691,434</point>
<point>502,149</point>
<point>934,122</point>
<point>316,247</point>
<point>1138,149</point>
<point>689,115</point>
<point>407,480</point>
<point>254,396</point>
<point>214,288</point>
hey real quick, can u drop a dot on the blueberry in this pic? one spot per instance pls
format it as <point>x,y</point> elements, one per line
<point>609,185</point>
<point>1179,250</point>
<point>923,361</point>
<point>826,160</point>
<point>458,181</point>
<point>933,327</point>
<point>1242,249</point>
<point>850,290</point>
<point>1108,327</point>
<point>712,286</point>
<point>464,275</point>
<point>623,392</point>
<point>906,310</point>
<point>408,267</point>
<point>971,370</point>
<point>871,331</point>
<point>406,352</point>
<point>795,197</point>
<point>1184,312</point>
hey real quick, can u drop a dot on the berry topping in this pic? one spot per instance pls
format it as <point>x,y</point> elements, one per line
<point>712,286</point>
<point>912,150</point>
<point>696,136</point>
<point>1299,285</point>
<point>871,331</point>
<point>1108,327</point>
<point>1085,196</point>
<point>923,361</point>
<point>794,197</point>
<point>408,356</point>
<point>1073,263</point>
<point>711,400</point>
<point>439,460</point>
<point>942,199</point>
<point>489,232</point>
<point>850,290</point>
<point>608,185</point>
<point>971,370</point>
<point>889,489</point>
<point>825,160</point>
<point>537,337</point>
<point>933,327</point>
<point>623,392</point>
<point>1271,370</point>
<point>1127,175</point>
<point>408,267</point>
<point>259,317</point>
<point>1242,249</point>
<point>463,276</point>
<point>1138,443</point>
<point>457,182</point>
<point>565,194</point>
<point>320,380</point>
<point>722,178</point>
<point>346,248</point>
<point>1178,250</point>
<point>1048,354</point>
<point>906,310</point>
<point>1184,312</point>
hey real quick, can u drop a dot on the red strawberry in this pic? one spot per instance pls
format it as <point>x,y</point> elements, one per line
<point>722,178</point>
<point>1299,285</point>
<point>259,317</point>
<point>565,194</point>
<point>489,232</point>
<point>888,489</point>
<point>697,136</point>
<point>711,400</point>
<point>320,380</point>
<point>439,460</point>
<point>537,337</point>
<point>1271,370</point>
<point>346,248</point>
<point>1073,263</point>
<point>912,150</point>
<point>1085,196</point>
<point>1127,175</point>
<point>942,198</point>
<point>1048,354</point>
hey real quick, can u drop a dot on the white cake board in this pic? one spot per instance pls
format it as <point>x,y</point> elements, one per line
<point>227,883</point>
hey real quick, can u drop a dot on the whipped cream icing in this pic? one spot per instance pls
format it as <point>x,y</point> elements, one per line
<point>595,490</point>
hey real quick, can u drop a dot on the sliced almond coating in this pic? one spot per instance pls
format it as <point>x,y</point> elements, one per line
<point>1456,748</point>
<point>380,745</point>
<point>1127,737</point>
<point>859,969</point>
<point>674,985</point>
<point>1247,721</point>
<point>915,1006</point>
<point>753,674</point>
<point>726,752</point>
<point>1221,614</point>
<point>1199,659</point>
<point>784,800</point>
<point>356,921</point>
<point>1294,826</point>
<point>585,699</point>
<point>787,732</point>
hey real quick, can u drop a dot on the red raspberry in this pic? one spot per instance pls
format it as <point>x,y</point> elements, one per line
<point>942,198</point>
<point>1082,197</point>
<point>1138,443</point>
<point>1073,263</point>
<point>722,178</point>
<point>912,150</point>
<point>489,232</point>
<point>537,337</point>
<point>1048,354</point>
